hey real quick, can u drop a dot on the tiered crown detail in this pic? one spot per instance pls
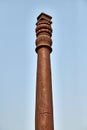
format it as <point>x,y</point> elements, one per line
<point>43,31</point>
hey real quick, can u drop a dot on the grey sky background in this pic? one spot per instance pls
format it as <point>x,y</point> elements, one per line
<point>18,62</point>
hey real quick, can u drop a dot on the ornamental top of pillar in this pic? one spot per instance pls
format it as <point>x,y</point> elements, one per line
<point>44,16</point>
<point>43,31</point>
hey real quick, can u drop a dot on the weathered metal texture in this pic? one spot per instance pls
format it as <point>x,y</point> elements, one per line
<point>44,103</point>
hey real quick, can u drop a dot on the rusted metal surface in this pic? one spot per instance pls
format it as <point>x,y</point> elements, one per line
<point>44,103</point>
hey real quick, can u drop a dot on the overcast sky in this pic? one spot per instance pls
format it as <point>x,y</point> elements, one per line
<point>18,62</point>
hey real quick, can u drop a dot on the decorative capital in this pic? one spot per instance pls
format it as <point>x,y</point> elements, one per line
<point>43,31</point>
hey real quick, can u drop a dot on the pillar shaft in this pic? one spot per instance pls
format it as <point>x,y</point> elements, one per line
<point>44,106</point>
